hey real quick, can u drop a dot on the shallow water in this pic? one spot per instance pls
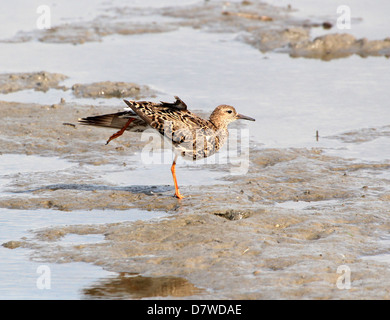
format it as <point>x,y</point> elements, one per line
<point>368,19</point>
<point>307,205</point>
<point>289,106</point>
<point>291,99</point>
<point>19,275</point>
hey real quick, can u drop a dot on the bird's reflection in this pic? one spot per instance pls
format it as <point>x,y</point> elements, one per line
<point>132,286</point>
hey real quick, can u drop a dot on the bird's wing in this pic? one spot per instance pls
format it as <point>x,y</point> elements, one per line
<point>178,104</point>
<point>172,120</point>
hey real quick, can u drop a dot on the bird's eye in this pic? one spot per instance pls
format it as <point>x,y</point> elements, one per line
<point>229,111</point>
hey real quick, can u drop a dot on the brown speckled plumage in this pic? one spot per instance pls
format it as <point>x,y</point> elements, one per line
<point>192,136</point>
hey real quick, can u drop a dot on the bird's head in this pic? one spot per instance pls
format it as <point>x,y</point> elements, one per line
<point>225,114</point>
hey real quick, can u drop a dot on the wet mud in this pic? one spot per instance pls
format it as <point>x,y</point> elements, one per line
<point>362,135</point>
<point>280,231</point>
<point>334,46</point>
<point>261,25</point>
<point>43,81</point>
<point>39,81</point>
<point>108,89</point>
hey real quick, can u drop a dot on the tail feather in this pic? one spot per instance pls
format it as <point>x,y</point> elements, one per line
<point>139,123</point>
<point>112,120</point>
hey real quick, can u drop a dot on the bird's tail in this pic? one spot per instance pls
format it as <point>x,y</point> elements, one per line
<point>113,120</point>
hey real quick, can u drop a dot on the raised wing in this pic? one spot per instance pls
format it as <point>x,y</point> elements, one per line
<point>168,118</point>
<point>193,136</point>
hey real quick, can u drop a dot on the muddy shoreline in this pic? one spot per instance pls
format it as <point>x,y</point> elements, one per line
<point>263,26</point>
<point>281,231</point>
<point>256,249</point>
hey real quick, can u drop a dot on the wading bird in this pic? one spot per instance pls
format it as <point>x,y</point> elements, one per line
<point>191,136</point>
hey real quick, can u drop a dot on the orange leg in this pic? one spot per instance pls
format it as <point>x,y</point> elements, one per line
<point>120,132</point>
<point>173,170</point>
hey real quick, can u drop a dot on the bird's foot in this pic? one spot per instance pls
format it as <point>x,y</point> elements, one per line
<point>178,195</point>
<point>120,132</point>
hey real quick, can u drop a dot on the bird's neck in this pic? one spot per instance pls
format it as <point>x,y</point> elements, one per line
<point>221,131</point>
<point>218,123</point>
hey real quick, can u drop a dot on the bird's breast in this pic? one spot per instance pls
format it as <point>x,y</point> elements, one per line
<point>200,144</point>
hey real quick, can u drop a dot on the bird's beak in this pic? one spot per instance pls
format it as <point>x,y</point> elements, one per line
<point>240,116</point>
